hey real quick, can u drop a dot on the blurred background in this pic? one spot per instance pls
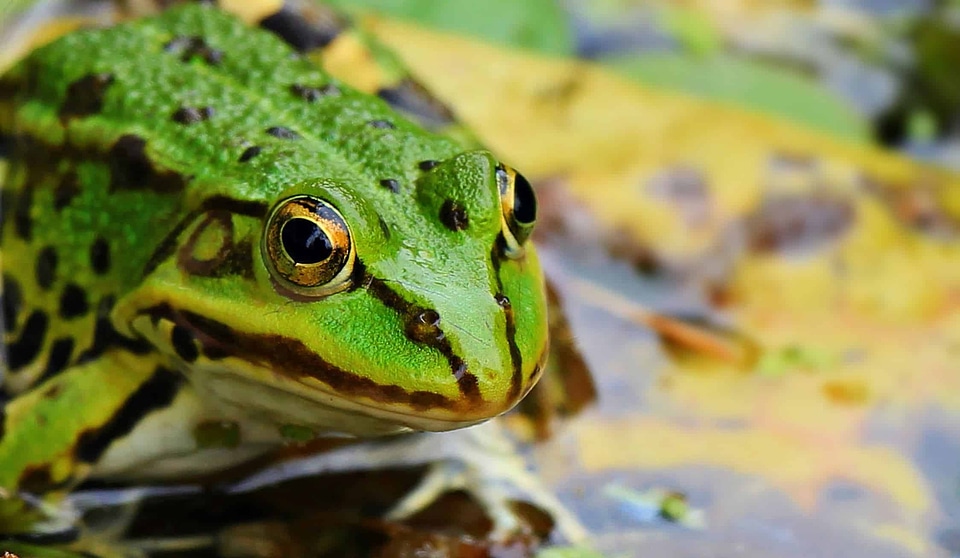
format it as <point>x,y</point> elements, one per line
<point>781,175</point>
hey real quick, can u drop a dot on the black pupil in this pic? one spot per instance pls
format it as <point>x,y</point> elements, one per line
<point>524,202</point>
<point>305,241</point>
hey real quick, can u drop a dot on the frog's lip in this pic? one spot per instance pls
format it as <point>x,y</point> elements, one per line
<point>291,363</point>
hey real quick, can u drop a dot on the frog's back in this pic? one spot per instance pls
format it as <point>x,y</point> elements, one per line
<point>121,136</point>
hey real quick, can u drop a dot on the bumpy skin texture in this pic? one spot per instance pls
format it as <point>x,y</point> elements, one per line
<point>145,162</point>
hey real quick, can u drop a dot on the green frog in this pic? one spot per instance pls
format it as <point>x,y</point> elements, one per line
<point>211,247</point>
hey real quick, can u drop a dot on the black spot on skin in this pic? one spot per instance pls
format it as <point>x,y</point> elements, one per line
<point>46,270</point>
<point>154,394</point>
<point>412,98</point>
<point>390,184</point>
<point>100,256</point>
<point>25,349</point>
<point>427,165</point>
<point>73,302</point>
<point>283,133</point>
<point>184,344</point>
<point>454,216</point>
<point>192,115</point>
<point>249,153</point>
<point>66,190</point>
<point>299,33</point>
<point>12,302</point>
<point>381,124</point>
<point>22,220</point>
<point>313,94</point>
<point>190,47</point>
<point>60,352</point>
<point>131,168</point>
<point>85,96</point>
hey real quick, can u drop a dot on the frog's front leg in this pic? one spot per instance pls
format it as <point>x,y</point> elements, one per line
<point>55,434</point>
<point>484,462</point>
<point>120,414</point>
<point>481,460</point>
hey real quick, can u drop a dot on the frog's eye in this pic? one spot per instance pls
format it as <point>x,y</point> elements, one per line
<point>519,206</point>
<point>308,247</point>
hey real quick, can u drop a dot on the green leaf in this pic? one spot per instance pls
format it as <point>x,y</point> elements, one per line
<point>539,25</point>
<point>747,84</point>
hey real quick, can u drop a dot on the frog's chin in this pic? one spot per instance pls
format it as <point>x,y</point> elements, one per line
<point>265,396</point>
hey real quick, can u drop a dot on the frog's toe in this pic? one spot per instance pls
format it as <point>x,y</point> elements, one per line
<point>487,468</point>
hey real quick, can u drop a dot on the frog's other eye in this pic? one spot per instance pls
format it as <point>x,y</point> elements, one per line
<point>308,247</point>
<point>519,206</point>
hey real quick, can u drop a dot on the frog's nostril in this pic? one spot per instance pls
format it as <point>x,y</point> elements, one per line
<point>424,327</point>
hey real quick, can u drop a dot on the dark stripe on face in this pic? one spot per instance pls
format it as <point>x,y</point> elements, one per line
<point>412,98</point>
<point>303,35</point>
<point>516,359</point>
<point>156,393</point>
<point>423,327</point>
<point>292,358</point>
<point>165,249</point>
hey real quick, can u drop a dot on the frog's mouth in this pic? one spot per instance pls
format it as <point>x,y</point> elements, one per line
<point>286,382</point>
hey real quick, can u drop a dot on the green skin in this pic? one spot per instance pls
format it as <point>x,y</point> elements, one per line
<point>145,309</point>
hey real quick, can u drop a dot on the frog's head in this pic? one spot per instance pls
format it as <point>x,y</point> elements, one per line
<point>363,310</point>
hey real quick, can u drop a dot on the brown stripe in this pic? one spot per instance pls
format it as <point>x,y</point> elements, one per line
<point>412,314</point>
<point>292,358</point>
<point>516,359</point>
<point>166,247</point>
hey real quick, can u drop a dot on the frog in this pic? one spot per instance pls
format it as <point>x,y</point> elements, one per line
<point>205,231</point>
